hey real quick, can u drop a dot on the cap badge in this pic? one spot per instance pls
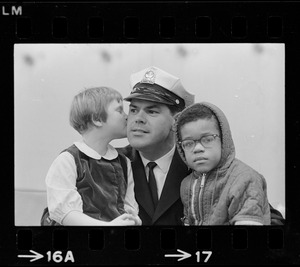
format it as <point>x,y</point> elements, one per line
<point>149,77</point>
<point>134,89</point>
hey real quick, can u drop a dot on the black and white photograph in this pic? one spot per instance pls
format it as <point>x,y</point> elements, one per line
<point>178,134</point>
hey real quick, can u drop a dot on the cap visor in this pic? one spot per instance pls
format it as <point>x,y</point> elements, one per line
<point>150,98</point>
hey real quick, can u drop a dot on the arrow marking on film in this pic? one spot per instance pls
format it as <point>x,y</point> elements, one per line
<point>184,255</point>
<point>34,257</point>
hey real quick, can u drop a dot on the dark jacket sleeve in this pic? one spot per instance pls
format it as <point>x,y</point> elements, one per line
<point>276,217</point>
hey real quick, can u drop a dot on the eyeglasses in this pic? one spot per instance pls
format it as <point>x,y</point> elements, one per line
<point>206,141</point>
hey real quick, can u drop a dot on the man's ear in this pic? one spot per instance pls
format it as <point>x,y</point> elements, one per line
<point>174,127</point>
<point>175,118</point>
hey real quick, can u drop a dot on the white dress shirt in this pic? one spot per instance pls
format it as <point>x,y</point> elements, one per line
<point>160,170</point>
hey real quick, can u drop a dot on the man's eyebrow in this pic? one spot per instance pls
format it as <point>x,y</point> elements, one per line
<point>153,106</point>
<point>147,107</point>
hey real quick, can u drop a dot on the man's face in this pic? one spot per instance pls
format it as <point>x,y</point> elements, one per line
<point>149,125</point>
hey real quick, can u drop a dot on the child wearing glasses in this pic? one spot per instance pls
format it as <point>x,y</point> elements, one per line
<point>221,190</point>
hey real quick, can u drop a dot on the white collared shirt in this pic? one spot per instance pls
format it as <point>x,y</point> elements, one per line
<point>161,170</point>
<point>62,194</point>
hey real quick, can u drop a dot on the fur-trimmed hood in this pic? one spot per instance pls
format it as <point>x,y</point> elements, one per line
<point>228,149</point>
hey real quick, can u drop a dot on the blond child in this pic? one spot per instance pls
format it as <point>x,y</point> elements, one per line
<point>89,183</point>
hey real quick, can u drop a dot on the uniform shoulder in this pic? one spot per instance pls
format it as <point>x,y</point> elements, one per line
<point>128,151</point>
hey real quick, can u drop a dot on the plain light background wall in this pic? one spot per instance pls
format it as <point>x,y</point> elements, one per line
<point>247,81</point>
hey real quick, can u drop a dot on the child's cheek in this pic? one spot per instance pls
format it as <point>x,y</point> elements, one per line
<point>188,159</point>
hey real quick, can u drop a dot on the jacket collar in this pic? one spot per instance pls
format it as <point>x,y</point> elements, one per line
<point>163,163</point>
<point>171,190</point>
<point>141,188</point>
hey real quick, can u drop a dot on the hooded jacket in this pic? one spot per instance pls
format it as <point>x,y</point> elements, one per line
<point>230,192</point>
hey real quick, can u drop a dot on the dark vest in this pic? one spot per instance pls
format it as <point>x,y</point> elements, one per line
<point>101,184</point>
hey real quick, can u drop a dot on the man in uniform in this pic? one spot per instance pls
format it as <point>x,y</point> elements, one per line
<point>158,170</point>
<point>157,167</point>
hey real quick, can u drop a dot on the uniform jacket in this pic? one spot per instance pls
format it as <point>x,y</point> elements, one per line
<point>169,210</point>
<point>231,192</point>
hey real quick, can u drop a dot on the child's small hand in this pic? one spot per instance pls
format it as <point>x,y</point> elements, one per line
<point>123,220</point>
<point>136,218</point>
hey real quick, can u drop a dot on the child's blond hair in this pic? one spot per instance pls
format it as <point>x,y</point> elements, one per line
<point>91,105</point>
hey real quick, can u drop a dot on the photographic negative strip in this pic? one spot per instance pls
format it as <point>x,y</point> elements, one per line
<point>240,57</point>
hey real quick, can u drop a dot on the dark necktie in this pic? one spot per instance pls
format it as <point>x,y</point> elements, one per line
<point>152,183</point>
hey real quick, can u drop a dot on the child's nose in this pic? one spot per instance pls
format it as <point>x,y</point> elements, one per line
<point>198,146</point>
